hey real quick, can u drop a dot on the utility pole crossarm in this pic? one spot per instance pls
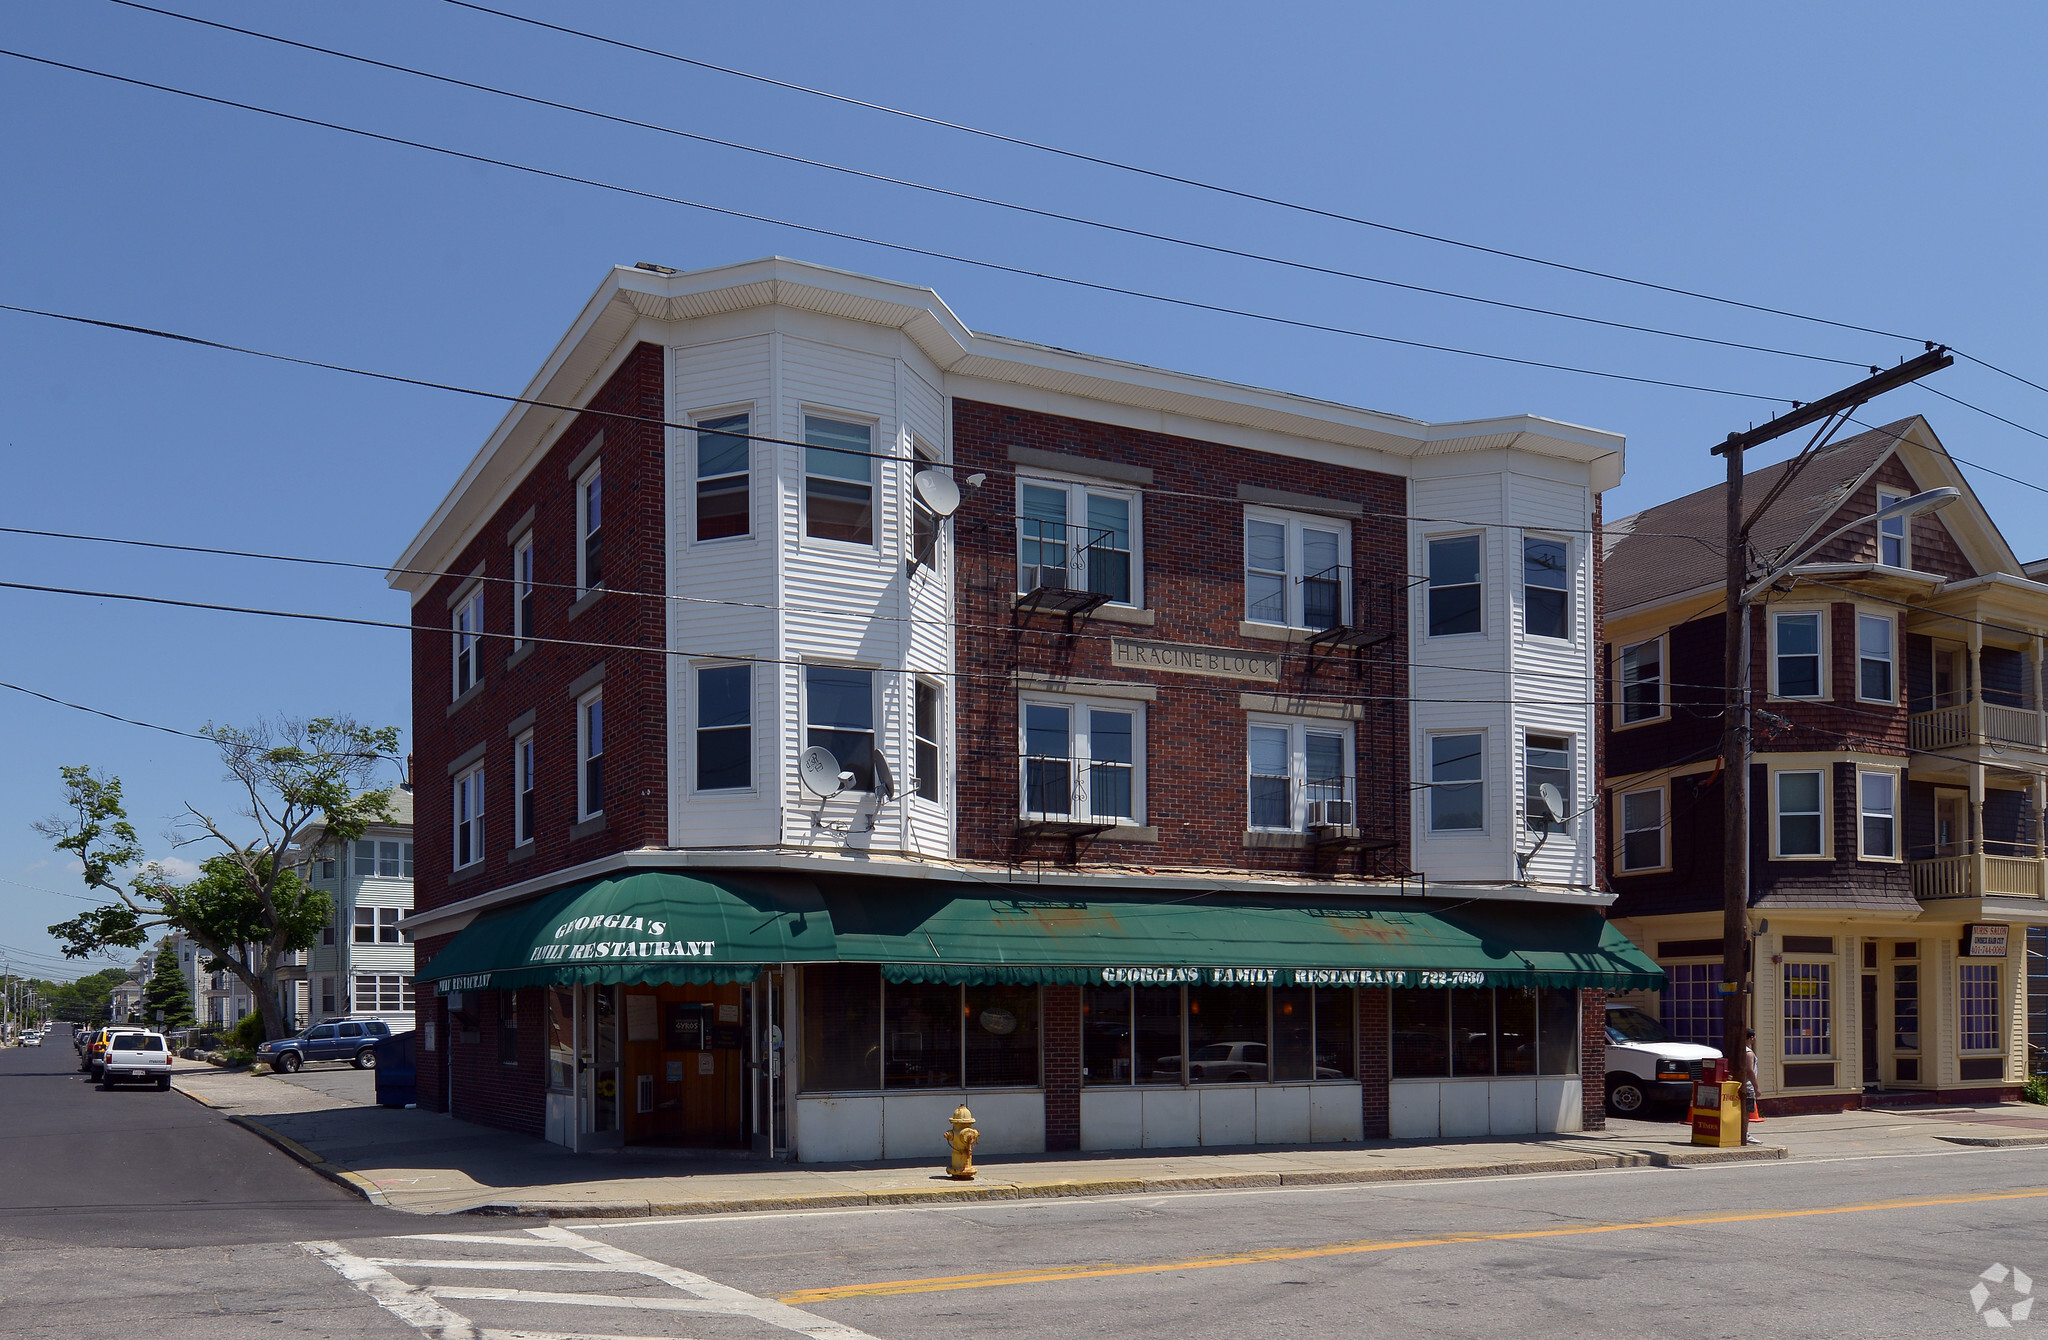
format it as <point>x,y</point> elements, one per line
<point>1843,401</point>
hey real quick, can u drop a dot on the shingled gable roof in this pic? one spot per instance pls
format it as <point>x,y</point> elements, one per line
<point>1675,547</point>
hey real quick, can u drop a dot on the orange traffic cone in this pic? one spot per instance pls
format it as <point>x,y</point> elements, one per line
<point>1754,1115</point>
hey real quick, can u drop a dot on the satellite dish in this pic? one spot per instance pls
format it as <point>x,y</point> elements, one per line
<point>937,490</point>
<point>819,771</point>
<point>1553,800</point>
<point>885,781</point>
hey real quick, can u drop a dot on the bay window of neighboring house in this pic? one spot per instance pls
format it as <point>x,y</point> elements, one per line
<point>1295,572</point>
<point>1797,826</point>
<point>1457,783</point>
<point>1641,672</point>
<point>1546,587</point>
<point>839,480</point>
<point>1796,654</point>
<point>1876,679</point>
<point>590,755</point>
<point>1454,585</point>
<point>1080,537</point>
<point>725,727</point>
<point>522,786</point>
<point>1083,760</point>
<point>839,715</point>
<point>522,591</point>
<point>1642,830</point>
<point>1878,805</point>
<point>1298,775</point>
<point>365,926</point>
<point>469,817</point>
<point>590,530</point>
<point>724,478</point>
<point>469,627</point>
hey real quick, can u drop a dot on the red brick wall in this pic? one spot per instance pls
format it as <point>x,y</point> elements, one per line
<point>1194,584</point>
<point>431,1008</point>
<point>636,786</point>
<point>1062,1067</point>
<point>488,1091</point>
<point>1593,1058</point>
<point>1375,1058</point>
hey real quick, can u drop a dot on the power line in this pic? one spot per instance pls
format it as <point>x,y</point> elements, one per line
<point>970,197</point>
<point>1188,304</point>
<point>111,716</point>
<point>54,893</point>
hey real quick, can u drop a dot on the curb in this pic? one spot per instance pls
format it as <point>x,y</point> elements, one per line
<point>1111,1186</point>
<point>1994,1141</point>
<point>354,1181</point>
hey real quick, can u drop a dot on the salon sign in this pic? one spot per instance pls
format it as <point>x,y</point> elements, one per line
<point>1176,976</point>
<point>1984,939</point>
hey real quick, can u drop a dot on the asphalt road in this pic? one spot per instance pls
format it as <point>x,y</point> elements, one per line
<point>137,1211</point>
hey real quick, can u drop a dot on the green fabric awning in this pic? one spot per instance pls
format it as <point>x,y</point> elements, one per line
<point>670,927</point>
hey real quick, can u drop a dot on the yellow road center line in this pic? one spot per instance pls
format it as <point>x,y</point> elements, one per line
<point>945,1283</point>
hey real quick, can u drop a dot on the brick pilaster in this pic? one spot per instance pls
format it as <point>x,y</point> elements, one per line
<point>1062,1067</point>
<point>1374,1059</point>
<point>1593,1058</point>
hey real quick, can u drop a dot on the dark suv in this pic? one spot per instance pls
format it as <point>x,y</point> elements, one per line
<point>336,1040</point>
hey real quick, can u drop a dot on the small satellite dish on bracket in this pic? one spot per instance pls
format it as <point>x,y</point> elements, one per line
<point>819,771</point>
<point>937,491</point>
<point>885,780</point>
<point>1553,800</point>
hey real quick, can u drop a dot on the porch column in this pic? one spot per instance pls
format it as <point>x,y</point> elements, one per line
<point>1977,738</point>
<point>2034,687</point>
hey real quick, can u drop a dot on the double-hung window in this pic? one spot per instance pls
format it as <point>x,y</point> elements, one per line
<point>469,627</point>
<point>930,713</point>
<point>724,495</point>
<point>366,857</point>
<point>1878,805</point>
<point>924,522</point>
<point>839,715</point>
<point>1875,680</point>
<point>1546,587</point>
<point>387,925</point>
<point>469,817</point>
<point>522,591</point>
<point>1083,761</point>
<point>1795,655</point>
<point>1547,760</point>
<point>590,755</point>
<point>1298,775</point>
<point>366,926</point>
<point>1457,783</point>
<point>590,529</point>
<point>1295,573</point>
<point>1893,547</point>
<point>522,785</point>
<point>839,480</point>
<point>1642,681</point>
<point>1454,586</point>
<point>1979,1007</point>
<point>1799,827</point>
<point>1078,537</point>
<point>725,727</point>
<point>388,863</point>
<point>1642,829</point>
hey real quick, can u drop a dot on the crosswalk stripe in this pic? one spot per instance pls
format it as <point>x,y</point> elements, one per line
<point>656,1303</point>
<point>403,1301</point>
<point>487,1239</point>
<point>574,1267</point>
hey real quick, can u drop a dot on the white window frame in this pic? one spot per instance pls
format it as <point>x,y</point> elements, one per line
<point>876,717</point>
<point>524,797</point>
<point>1891,657</point>
<point>1568,830</point>
<point>524,601</point>
<point>470,797</point>
<point>1778,853</point>
<point>1998,1022</point>
<point>1570,587</point>
<point>1621,683</point>
<point>1078,750</point>
<point>593,474</point>
<point>467,630</point>
<point>1298,730</point>
<point>871,456</point>
<point>1903,532</point>
<point>1898,786</point>
<point>1825,673</point>
<point>1428,584</point>
<point>697,422</point>
<point>697,728</point>
<point>922,517</point>
<point>1483,782</point>
<point>1078,491</point>
<point>1622,829</point>
<point>1294,578</point>
<point>936,742</point>
<point>363,925</point>
<point>594,698</point>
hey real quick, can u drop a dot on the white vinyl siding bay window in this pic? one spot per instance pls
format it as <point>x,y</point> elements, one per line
<point>929,716</point>
<point>1078,537</point>
<point>724,478</point>
<point>1295,570</point>
<point>1298,775</point>
<point>725,727</point>
<point>839,715</point>
<point>1454,585</point>
<point>1547,760</point>
<point>1546,587</point>
<point>839,480</point>
<point>1457,783</point>
<point>1640,670</point>
<point>1083,760</point>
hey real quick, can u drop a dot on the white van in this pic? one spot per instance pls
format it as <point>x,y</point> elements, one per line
<point>1646,1064</point>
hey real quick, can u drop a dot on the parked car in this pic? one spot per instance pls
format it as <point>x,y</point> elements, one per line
<point>348,1040</point>
<point>136,1057</point>
<point>1645,1063</point>
<point>90,1051</point>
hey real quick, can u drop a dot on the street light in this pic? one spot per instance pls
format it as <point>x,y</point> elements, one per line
<point>1932,500</point>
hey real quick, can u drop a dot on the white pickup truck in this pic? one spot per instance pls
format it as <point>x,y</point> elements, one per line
<point>136,1057</point>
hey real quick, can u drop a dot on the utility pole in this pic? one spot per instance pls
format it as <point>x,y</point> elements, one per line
<point>1830,413</point>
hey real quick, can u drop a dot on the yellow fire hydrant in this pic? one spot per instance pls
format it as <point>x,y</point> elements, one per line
<point>960,1138</point>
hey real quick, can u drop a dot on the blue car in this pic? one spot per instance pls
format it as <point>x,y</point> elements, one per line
<point>348,1040</point>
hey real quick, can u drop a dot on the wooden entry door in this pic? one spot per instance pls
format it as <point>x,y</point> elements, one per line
<point>1872,1073</point>
<point>679,1090</point>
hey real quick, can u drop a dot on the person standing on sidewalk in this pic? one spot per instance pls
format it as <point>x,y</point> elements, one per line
<point>1748,1085</point>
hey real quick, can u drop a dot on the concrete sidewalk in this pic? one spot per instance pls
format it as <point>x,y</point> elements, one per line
<point>430,1164</point>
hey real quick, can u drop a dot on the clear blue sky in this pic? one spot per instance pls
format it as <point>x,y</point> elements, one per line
<point>1877,165</point>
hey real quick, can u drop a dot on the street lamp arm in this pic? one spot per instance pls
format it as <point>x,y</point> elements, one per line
<point>1932,500</point>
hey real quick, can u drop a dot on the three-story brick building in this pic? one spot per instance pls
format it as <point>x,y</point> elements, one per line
<point>845,715</point>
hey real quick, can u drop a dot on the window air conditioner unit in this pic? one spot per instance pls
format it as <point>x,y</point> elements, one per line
<point>1330,814</point>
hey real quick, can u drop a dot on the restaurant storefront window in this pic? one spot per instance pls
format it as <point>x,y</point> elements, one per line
<point>861,1033</point>
<point>1233,1034</point>
<point>1484,1031</point>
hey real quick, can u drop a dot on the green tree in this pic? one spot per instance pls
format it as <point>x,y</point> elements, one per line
<point>83,1001</point>
<point>168,991</point>
<point>250,904</point>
